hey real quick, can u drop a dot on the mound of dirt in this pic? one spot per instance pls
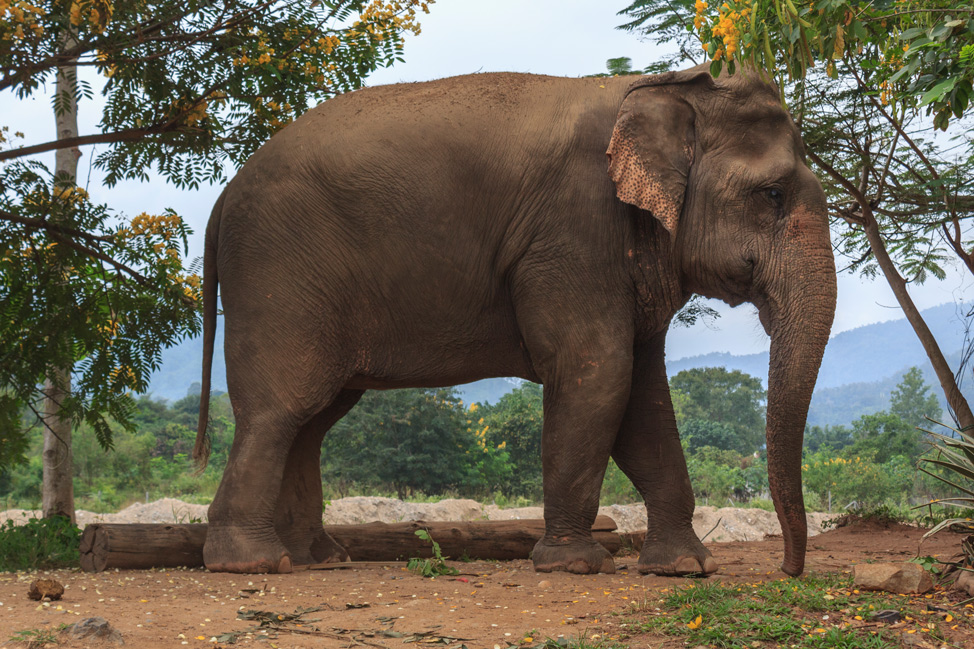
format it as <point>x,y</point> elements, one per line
<point>724,524</point>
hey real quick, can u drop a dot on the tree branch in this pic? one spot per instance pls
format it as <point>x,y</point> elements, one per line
<point>125,135</point>
<point>58,233</point>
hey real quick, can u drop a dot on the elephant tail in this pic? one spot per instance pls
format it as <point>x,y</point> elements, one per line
<point>201,450</point>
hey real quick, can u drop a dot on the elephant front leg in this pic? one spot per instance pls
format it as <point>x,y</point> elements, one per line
<point>582,411</point>
<point>648,451</point>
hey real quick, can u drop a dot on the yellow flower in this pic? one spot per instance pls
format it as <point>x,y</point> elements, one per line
<point>696,623</point>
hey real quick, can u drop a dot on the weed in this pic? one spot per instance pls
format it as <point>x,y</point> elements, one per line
<point>39,543</point>
<point>35,638</point>
<point>435,565</point>
<point>579,642</point>
<point>816,612</point>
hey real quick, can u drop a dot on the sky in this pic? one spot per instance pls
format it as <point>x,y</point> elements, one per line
<point>555,37</point>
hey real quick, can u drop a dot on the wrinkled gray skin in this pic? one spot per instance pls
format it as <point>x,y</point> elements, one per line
<point>512,225</point>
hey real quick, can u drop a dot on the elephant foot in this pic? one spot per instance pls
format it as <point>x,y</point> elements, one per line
<point>565,555</point>
<point>310,548</point>
<point>228,549</point>
<point>325,549</point>
<point>676,559</point>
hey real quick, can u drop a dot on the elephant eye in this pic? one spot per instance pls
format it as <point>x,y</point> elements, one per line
<point>776,195</point>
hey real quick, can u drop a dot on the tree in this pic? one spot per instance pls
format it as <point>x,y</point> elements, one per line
<point>190,89</point>
<point>835,438</point>
<point>882,436</point>
<point>732,398</point>
<point>516,421</point>
<point>413,441</point>
<point>910,401</point>
<point>901,203</point>
<point>700,433</point>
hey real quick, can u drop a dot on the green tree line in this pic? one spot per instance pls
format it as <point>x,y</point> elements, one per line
<point>424,443</point>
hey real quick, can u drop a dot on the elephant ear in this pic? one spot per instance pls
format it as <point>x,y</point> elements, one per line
<point>652,145</point>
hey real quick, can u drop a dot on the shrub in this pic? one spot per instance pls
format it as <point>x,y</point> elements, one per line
<point>39,543</point>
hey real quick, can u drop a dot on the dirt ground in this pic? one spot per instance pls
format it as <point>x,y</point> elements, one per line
<point>490,604</point>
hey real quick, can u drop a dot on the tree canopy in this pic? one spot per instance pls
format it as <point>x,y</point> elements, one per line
<point>721,408</point>
<point>190,89</point>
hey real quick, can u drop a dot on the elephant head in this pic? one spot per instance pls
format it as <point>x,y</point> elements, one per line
<point>721,165</point>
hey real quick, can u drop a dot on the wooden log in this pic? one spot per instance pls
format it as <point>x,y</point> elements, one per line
<point>501,540</point>
<point>139,546</point>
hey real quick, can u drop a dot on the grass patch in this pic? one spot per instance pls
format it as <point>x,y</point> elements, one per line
<point>815,612</point>
<point>35,638</point>
<point>39,543</point>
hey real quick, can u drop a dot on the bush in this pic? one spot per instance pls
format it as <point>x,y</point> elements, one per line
<point>39,543</point>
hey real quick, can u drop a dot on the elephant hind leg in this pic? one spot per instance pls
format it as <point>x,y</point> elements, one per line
<point>297,517</point>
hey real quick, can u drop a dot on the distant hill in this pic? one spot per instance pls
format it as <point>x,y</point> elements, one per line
<point>183,365</point>
<point>861,355</point>
<point>860,368</point>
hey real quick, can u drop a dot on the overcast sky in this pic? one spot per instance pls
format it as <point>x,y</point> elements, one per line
<point>556,37</point>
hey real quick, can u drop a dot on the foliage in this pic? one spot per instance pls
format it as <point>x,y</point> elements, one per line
<point>717,396</point>
<point>149,462</point>
<point>411,441</point>
<point>910,401</point>
<point>516,421</point>
<point>955,453</point>
<point>817,611</point>
<point>839,481</point>
<point>834,437</point>
<point>39,544</point>
<point>187,88</point>
<point>617,488</point>
<point>35,638</point>
<point>436,565</point>
<point>921,54</point>
<point>883,436</point>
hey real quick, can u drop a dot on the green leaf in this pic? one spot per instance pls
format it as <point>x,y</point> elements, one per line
<point>937,91</point>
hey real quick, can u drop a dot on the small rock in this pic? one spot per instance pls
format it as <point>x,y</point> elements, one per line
<point>965,582</point>
<point>915,640</point>
<point>902,578</point>
<point>95,627</point>
<point>888,616</point>
<point>49,588</point>
<point>544,584</point>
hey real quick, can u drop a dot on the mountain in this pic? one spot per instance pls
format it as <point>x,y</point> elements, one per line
<point>862,355</point>
<point>860,367</point>
<point>182,366</point>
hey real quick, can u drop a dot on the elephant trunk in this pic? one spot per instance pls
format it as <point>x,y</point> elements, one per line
<point>800,318</point>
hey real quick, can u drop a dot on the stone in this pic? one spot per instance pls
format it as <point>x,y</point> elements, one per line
<point>903,578</point>
<point>95,627</point>
<point>45,588</point>
<point>965,582</point>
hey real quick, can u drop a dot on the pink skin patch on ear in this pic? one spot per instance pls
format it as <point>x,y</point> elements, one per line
<point>637,186</point>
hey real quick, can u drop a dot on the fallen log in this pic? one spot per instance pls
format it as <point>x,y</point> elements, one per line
<point>105,546</point>
<point>137,546</point>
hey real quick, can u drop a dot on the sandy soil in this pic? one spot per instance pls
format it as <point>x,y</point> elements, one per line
<point>491,604</point>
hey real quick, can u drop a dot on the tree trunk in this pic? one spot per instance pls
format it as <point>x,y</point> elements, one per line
<point>57,486</point>
<point>955,399</point>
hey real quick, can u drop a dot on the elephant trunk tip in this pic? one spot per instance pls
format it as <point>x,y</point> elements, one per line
<point>792,567</point>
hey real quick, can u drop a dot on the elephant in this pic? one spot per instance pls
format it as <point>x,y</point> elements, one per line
<point>431,234</point>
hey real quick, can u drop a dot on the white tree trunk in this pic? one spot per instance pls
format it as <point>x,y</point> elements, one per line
<point>58,485</point>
